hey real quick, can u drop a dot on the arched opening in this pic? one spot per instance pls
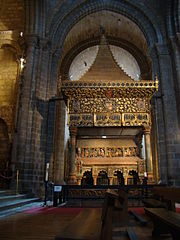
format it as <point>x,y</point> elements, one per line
<point>133,178</point>
<point>87,178</point>
<point>76,65</point>
<point>102,178</point>
<point>118,178</point>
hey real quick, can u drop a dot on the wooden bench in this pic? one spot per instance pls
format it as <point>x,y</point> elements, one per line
<point>164,197</point>
<point>168,195</point>
<point>142,221</point>
<point>154,203</point>
<point>164,221</point>
<point>94,224</point>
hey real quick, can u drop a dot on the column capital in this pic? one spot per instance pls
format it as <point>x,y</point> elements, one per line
<point>147,130</point>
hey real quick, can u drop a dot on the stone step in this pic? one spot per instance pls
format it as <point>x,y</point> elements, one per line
<point>16,203</point>
<point>10,201</point>
<point>8,198</point>
<point>6,192</point>
<point>19,209</point>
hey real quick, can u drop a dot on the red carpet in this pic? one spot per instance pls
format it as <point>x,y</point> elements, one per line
<point>53,210</point>
<point>138,210</point>
<point>178,210</point>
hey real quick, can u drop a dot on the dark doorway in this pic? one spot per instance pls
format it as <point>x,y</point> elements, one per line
<point>119,180</point>
<point>102,178</point>
<point>87,178</point>
<point>135,177</point>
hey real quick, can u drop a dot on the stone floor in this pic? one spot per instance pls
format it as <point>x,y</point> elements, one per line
<point>46,222</point>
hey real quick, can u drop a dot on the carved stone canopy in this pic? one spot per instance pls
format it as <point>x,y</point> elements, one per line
<point>107,96</point>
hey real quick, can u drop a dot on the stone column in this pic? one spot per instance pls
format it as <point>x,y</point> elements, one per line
<point>170,117</point>
<point>111,180</point>
<point>72,153</point>
<point>95,180</point>
<point>148,151</point>
<point>24,162</point>
<point>59,142</point>
<point>175,46</point>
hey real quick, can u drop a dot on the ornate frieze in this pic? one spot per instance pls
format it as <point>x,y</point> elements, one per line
<point>113,119</point>
<point>113,105</point>
<point>136,119</point>
<point>104,119</point>
<point>116,103</point>
<point>81,120</point>
<point>108,152</point>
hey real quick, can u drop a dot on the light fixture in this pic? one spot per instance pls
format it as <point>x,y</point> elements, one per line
<point>22,62</point>
<point>104,137</point>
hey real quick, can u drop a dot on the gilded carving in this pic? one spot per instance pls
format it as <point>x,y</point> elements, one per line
<point>116,103</point>
<point>136,119</point>
<point>103,119</point>
<point>80,120</point>
<point>114,152</point>
<point>131,152</point>
<point>108,152</point>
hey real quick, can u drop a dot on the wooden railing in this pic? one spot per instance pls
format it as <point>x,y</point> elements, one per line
<point>82,194</point>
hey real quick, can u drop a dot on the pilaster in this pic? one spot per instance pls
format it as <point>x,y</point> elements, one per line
<point>72,172</point>
<point>148,151</point>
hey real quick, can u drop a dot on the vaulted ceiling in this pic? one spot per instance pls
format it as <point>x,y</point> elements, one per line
<point>119,30</point>
<point>114,24</point>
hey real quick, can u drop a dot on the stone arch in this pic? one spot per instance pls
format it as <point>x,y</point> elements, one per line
<point>117,169</point>
<point>142,60</point>
<point>10,63</point>
<point>87,178</point>
<point>118,179</point>
<point>102,177</point>
<point>60,24</point>
<point>102,170</point>
<point>148,23</point>
<point>12,46</point>
<point>134,174</point>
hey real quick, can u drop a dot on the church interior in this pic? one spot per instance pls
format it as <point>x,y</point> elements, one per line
<point>89,101</point>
